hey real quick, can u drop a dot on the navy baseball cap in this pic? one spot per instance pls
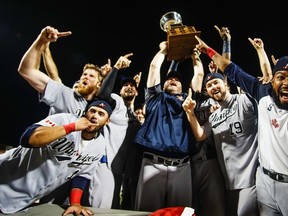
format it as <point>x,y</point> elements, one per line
<point>126,80</point>
<point>174,74</point>
<point>102,104</point>
<point>212,76</point>
<point>281,65</point>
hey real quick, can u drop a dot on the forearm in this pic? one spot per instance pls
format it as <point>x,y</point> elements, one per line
<point>198,131</point>
<point>198,76</point>
<point>226,50</point>
<point>50,65</point>
<point>264,63</point>
<point>43,135</point>
<point>154,69</point>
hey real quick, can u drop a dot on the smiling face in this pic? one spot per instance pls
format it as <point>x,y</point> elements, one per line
<point>280,89</point>
<point>128,91</point>
<point>217,89</point>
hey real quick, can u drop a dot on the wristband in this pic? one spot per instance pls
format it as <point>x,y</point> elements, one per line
<point>69,127</point>
<point>210,52</point>
<point>75,196</point>
<point>226,47</point>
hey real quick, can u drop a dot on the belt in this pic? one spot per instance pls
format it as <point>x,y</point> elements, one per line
<point>166,161</point>
<point>276,176</point>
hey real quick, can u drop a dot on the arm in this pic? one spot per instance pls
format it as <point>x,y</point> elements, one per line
<point>137,79</point>
<point>50,65</point>
<point>263,60</point>
<point>108,83</point>
<point>43,135</point>
<point>226,37</point>
<point>29,67</point>
<point>197,80</point>
<point>189,105</point>
<point>77,187</point>
<point>106,69</point>
<point>219,60</point>
<point>154,76</point>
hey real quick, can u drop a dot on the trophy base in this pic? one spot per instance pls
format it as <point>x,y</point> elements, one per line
<point>181,42</point>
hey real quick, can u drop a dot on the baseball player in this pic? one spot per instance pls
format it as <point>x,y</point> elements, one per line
<point>53,151</point>
<point>65,99</point>
<point>234,129</point>
<point>272,174</point>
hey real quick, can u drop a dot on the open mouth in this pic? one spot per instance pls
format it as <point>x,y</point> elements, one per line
<point>284,96</point>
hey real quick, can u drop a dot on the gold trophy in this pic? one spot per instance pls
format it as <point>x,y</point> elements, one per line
<point>181,38</point>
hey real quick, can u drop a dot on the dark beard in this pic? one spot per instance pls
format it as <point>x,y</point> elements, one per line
<point>277,101</point>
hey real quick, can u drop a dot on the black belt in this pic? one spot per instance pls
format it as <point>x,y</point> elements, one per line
<point>166,161</point>
<point>276,176</point>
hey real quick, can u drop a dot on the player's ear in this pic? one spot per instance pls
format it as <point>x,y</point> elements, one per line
<point>107,122</point>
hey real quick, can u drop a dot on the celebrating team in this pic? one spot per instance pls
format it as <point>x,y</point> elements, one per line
<point>80,150</point>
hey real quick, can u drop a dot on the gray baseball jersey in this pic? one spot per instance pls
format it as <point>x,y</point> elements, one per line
<point>234,127</point>
<point>28,174</point>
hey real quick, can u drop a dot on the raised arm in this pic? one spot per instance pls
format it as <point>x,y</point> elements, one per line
<point>219,60</point>
<point>263,60</point>
<point>50,65</point>
<point>198,76</point>
<point>189,106</point>
<point>224,33</point>
<point>154,76</point>
<point>29,67</point>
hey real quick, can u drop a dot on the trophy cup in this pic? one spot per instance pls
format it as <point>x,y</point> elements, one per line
<point>181,38</point>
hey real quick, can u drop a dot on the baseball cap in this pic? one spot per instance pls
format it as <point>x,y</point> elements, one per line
<point>211,76</point>
<point>174,74</point>
<point>282,64</point>
<point>102,104</point>
<point>126,80</point>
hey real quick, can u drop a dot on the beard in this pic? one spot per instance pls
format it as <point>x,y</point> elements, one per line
<point>277,101</point>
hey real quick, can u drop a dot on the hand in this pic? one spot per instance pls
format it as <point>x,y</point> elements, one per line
<point>76,209</point>
<point>189,104</point>
<point>123,61</point>
<point>213,68</point>
<point>50,34</point>
<point>106,69</point>
<point>163,47</point>
<point>83,123</point>
<point>257,43</point>
<point>202,46</point>
<point>224,33</point>
<point>137,78</point>
<point>264,79</point>
<point>274,60</point>
<point>214,107</point>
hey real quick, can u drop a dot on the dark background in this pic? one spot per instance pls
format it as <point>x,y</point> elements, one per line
<point>109,29</point>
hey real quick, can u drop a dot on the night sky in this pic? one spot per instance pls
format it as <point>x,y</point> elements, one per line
<point>109,29</point>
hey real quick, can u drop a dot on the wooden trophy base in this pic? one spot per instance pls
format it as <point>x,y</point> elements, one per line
<point>181,42</point>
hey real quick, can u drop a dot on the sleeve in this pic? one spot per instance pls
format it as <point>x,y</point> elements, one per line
<point>107,87</point>
<point>78,185</point>
<point>24,139</point>
<point>242,79</point>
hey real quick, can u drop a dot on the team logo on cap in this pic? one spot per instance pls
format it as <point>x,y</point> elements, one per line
<point>285,67</point>
<point>102,105</point>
